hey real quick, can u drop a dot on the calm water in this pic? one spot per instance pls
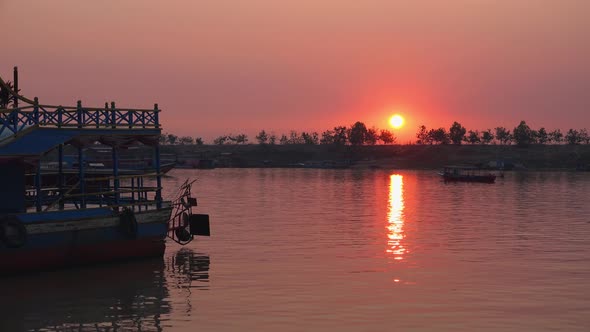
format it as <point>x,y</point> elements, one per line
<point>342,250</point>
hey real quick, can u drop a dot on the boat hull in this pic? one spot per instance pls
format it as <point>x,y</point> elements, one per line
<point>53,242</point>
<point>468,178</point>
<point>59,257</point>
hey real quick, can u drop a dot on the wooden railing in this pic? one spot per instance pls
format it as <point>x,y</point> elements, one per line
<point>15,120</point>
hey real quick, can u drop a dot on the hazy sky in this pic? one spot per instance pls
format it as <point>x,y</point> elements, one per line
<point>219,67</point>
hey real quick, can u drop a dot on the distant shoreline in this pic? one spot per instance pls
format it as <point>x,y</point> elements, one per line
<point>535,157</point>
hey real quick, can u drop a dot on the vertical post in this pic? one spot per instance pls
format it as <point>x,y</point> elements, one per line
<point>81,177</point>
<point>60,175</point>
<point>100,189</point>
<point>79,113</point>
<point>106,115</point>
<point>60,112</point>
<point>158,176</point>
<point>139,194</point>
<point>35,111</point>
<point>132,190</point>
<point>113,115</point>
<point>157,160</point>
<point>14,120</point>
<point>15,100</point>
<point>38,198</point>
<point>116,174</point>
<point>156,116</point>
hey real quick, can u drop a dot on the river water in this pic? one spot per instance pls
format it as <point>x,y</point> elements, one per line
<point>342,250</point>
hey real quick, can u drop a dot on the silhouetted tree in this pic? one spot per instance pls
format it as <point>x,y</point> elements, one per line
<point>556,136</point>
<point>262,137</point>
<point>327,137</point>
<point>220,140</point>
<point>295,138</point>
<point>457,133</point>
<point>534,136</point>
<point>422,135</point>
<point>386,136</point>
<point>486,136</point>
<point>340,136</point>
<point>439,135</point>
<point>172,139</point>
<point>523,135</point>
<point>198,141</point>
<point>272,139</point>
<point>357,134</point>
<point>542,136</point>
<point>241,139</point>
<point>284,140</point>
<point>230,139</point>
<point>310,138</point>
<point>185,140</point>
<point>473,137</point>
<point>573,137</point>
<point>503,136</point>
<point>372,136</point>
<point>584,137</point>
<point>430,137</point>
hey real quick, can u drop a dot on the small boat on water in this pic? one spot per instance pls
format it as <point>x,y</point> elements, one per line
<point>466,174</point>
<point>75,216</point>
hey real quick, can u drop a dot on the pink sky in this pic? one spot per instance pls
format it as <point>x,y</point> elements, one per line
<point>220,67</point>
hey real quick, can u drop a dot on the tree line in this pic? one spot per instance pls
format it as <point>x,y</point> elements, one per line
<point>521,135</point>
<point>359,134</point>
<point>356,134</point>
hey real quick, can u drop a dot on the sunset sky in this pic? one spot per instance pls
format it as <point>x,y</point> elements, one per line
<point>220,67</point>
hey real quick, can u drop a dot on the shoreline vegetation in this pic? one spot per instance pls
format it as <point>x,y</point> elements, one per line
<point>358,147</point>
<point>508,157</point>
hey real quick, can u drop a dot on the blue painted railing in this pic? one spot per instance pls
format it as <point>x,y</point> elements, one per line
<point>15,120</point>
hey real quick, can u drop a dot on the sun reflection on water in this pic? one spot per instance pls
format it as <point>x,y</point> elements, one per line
<point>395,217</point>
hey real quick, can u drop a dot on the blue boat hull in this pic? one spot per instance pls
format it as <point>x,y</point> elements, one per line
<point>78,237</point>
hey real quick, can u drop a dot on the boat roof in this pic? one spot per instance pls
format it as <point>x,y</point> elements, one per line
<point>38,141</point>
<point>34,128</point>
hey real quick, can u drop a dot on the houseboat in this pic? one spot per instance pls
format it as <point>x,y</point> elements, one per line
<point>466,174</point>
<point>74,218</point>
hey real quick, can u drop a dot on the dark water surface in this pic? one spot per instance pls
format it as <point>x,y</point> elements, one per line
<point>342,250</point>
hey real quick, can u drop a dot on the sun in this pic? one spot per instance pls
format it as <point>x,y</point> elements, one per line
<point>396,121</point>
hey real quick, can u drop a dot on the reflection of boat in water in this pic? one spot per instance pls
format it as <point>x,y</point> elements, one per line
<point>186,267</point>
<point>132,296</point>
<point>466,174</point>
<point>108,296</point>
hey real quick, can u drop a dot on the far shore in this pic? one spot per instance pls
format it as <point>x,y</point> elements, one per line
<point>534,157</point>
